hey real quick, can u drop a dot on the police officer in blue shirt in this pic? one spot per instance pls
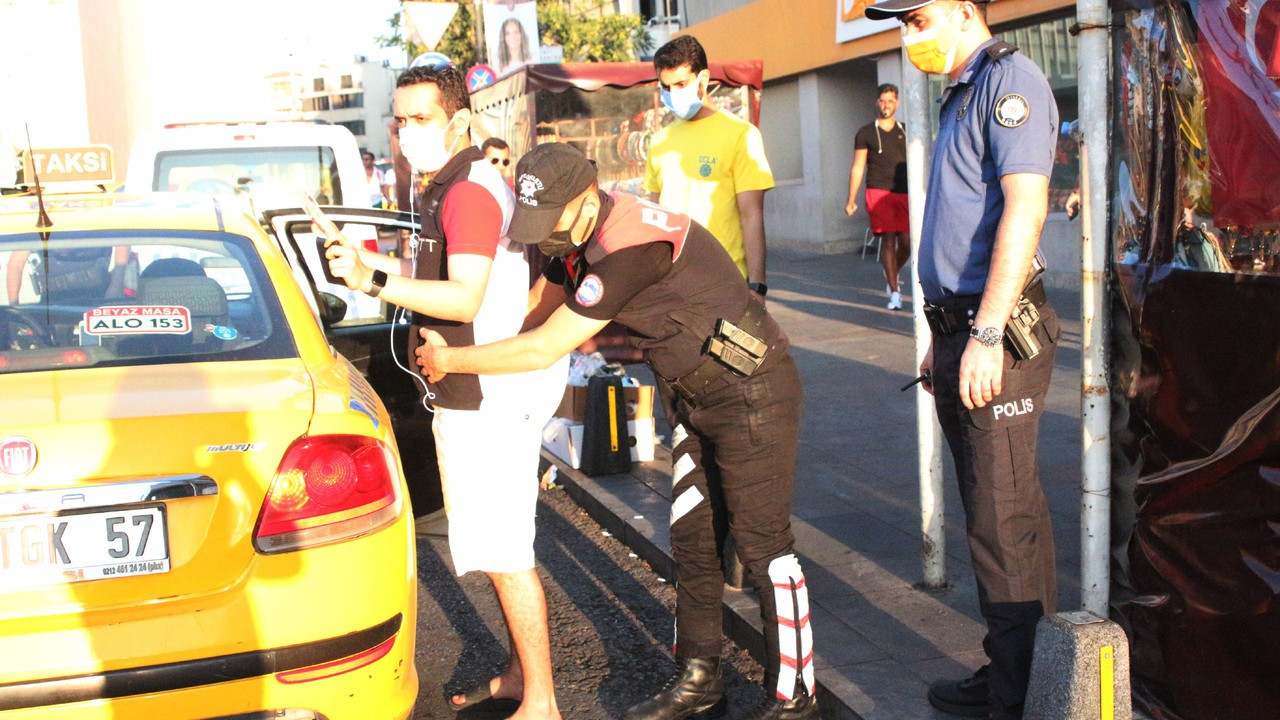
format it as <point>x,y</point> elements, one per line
<point>987,201</point>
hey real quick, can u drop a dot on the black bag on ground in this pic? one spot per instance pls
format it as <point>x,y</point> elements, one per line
<point>606,447</point>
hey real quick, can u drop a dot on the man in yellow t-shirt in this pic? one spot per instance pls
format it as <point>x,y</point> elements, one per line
<point>709,164</point>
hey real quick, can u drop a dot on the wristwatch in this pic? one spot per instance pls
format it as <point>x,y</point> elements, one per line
<point>378,281</point>
<point>989,336</point>
<point>758,288</point>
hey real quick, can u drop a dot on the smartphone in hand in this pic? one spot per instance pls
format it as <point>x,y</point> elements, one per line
<point>319,220</point>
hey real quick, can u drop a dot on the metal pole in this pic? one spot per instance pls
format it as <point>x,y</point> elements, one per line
<point>929,433</point>
<point>481,54</point>
<point>1093,17</point>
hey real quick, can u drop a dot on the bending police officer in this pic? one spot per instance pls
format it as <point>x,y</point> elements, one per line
<point>987,201</point>
<point>734,405</point>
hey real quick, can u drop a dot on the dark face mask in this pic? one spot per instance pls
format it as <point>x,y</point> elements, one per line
<point>560,242</point>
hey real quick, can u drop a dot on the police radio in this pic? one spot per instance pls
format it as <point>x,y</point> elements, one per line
<point>1020,332</point>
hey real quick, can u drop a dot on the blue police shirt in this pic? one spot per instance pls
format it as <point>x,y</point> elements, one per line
<point>998,118</point>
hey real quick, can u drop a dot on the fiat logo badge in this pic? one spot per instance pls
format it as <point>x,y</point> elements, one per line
<point>17,456</point>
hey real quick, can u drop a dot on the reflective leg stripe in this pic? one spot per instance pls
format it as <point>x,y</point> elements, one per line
<point>786,623</point>
<point>681,467</point>
<point>795,638</point>
<point>684,502</point>
<point>678,435</point>
<point>675,631</point>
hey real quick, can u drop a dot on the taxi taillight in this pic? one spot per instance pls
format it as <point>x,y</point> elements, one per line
<point>371,245</point>
<point>328,488</point>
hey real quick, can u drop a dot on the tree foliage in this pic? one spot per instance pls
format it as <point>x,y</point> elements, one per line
<point>611,38</point>
<point>585,37</point>
<point>458,42</point>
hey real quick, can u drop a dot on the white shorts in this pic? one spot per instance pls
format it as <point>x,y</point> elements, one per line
<point>489,473</point>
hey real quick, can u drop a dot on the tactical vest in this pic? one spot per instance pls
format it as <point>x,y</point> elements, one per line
<point>671,319</point>
<point>458,391</point>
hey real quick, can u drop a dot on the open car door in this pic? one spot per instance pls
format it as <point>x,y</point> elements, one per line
<point>364,329</point>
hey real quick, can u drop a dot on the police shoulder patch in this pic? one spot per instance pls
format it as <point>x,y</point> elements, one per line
<point>591,291</point>
<point>1012,110</point>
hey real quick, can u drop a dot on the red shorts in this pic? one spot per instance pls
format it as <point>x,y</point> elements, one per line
<point>888,211</point>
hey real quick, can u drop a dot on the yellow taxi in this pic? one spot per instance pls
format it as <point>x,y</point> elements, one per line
<point>202,508</point>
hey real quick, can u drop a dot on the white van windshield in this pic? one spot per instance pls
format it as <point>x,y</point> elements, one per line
<point>267,176</point>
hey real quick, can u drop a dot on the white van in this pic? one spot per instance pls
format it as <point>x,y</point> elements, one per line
<point>264,165</point>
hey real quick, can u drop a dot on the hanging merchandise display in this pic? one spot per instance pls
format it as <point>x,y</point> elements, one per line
<point>1195,362</point>
<point>610,111</point>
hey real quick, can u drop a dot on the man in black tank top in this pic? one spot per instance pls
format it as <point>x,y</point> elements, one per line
<point>731,389</point>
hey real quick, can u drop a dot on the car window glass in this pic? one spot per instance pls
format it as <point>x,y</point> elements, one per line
<point>258,177</point>
<point>110,299</point>
<point>361,308</point>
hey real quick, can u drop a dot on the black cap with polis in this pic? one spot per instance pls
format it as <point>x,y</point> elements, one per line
<point>548,178</point>
<point>893,9</point>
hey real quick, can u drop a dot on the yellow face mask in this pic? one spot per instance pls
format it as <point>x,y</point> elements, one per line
<point>924,51</point>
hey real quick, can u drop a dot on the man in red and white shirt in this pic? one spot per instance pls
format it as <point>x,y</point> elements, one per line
<point>470,283</point>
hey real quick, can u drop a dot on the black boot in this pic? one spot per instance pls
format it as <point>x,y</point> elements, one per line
<point>802,706</point>
<point>970,697</point>
<point>696,691</point>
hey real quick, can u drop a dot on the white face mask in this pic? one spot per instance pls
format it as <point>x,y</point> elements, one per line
<point>684,102</point>
<point>424,147</point>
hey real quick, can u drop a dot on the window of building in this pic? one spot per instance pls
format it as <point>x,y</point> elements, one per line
<point>351,100</point>
<point>650,9</point>
<point>318,84</point>
<point>345,82</point>
<point>315,104</point>
<point>355,126</point>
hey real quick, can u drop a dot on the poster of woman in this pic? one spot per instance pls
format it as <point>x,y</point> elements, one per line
<point>511,34</point>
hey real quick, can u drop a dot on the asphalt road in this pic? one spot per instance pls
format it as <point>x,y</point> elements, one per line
<point>610,617</point>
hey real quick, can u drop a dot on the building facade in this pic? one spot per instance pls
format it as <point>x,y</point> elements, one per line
<point>356,96</point>
<point>822,64</point>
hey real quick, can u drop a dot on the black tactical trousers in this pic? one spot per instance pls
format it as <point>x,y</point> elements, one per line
<point>739,440</point>
<point>1006,515</point>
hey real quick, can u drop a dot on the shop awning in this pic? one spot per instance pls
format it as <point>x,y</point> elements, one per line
<point>593,76</point>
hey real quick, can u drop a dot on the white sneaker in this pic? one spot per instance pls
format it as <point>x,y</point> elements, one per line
<point>895,301</point>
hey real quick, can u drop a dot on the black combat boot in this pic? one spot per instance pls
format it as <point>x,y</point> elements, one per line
<point>696,692</point>
<point>970,697</point>
<point>802,706</point>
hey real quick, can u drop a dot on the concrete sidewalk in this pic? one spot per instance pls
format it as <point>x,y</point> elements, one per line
<point>879,638</point>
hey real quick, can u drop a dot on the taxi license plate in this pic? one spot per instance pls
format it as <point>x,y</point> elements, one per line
<point>83,545</point>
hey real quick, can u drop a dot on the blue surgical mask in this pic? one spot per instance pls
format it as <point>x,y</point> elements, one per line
<point>684,102</point>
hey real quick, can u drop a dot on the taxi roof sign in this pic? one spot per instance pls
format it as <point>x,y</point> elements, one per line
<point>91,163</point>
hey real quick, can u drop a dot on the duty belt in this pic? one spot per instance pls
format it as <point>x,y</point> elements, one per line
<point>736,349</point>
<point>956,314</point>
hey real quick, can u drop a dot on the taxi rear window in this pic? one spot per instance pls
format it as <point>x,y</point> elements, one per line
<point>120,298</point>
<point>267,176</point>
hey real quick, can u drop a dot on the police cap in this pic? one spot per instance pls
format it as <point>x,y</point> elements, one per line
<point>547,179</point>
<point>893,9</point>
